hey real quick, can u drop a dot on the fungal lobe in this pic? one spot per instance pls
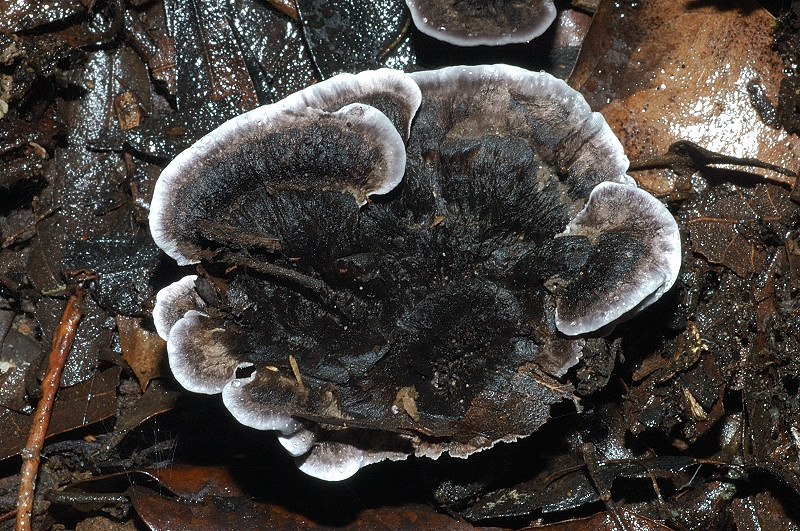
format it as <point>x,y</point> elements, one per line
<point>319,139</point>
<point>482,22</point>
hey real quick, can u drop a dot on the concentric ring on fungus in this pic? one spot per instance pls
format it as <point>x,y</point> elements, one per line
<point>381,290</point>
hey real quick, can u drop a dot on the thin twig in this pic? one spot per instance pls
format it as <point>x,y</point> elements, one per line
<point>62,342</point>
<point>12,238</point>
<point>301,279</point>
<point>684,155</point>
<point>346,304</point>
<point>287,7</point>
<point>296,371</point>
<point>394,43</point>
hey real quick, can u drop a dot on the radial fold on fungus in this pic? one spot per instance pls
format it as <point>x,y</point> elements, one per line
<point>400,265</point>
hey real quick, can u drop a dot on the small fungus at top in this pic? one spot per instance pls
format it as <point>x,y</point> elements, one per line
<point>399,265</point>
<point>482,22</point>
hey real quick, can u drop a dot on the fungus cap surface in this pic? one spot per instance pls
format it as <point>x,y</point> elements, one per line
<point>482,22</point>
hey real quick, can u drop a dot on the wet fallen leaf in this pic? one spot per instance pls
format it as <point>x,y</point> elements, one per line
<point>565,485</point>
<point>86,403</point>
<point>731,225</point>
<point>761,511</point>
<point>350,36</point>
<point>666,70</point>
<point>606,522</point>
<point>195,482</point>
<point>100,523</point>
<point>209,66</point>
<point>20,15</point>
<point>277,54</point>
<point>123,259</point>
<point>148,35</point>
<point>19,354</point>
<point>155,400</point>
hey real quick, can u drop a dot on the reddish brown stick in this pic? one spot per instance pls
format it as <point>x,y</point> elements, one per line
<point>62,341</point>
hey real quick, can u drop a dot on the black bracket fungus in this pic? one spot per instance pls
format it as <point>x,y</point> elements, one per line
<point>435,316</point>
<point>482,22</point>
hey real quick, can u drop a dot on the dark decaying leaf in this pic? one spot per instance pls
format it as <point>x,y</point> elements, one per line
<point>787,37</point>
<point>210,69</point>
<point>149,36</point>
<point>88,402</point>
<point>84,198</point>
<point>769,385</point>
<point>732,225</point>
<point>694,401</point>
<point>564,485</point>
<point>761,511</point>
<point>351,35</point>
<point>124,261</point>
<point>32,66</point>
<point>230,58</point>
<point>275,51</point>
<point>212,77</point>
<point>155,400</point>
<point>607,521</point>
<point>20,16</point>
<point>20,355</point>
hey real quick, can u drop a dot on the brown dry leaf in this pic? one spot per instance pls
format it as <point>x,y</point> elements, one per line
<point>606,522</point>
<point>144,350</point>
<point>215,513</point>
<point>761,511</point>
<point>685,70</point>
<point>101,523</point>
<point>190,481</point>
